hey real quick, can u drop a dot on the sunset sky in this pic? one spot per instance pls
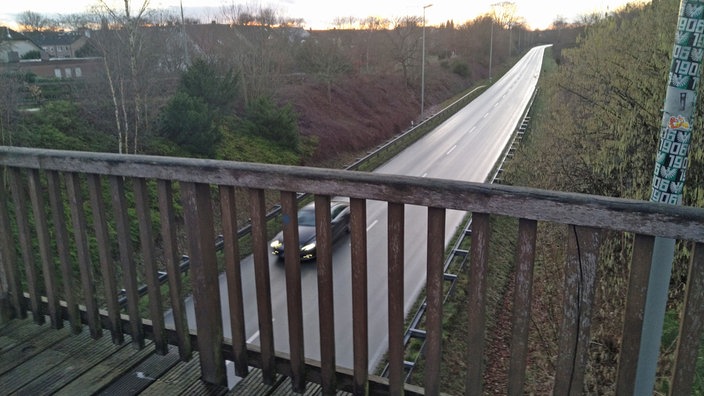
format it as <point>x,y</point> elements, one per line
<point>539,14</point>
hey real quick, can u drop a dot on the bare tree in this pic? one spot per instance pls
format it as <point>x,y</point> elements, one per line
<point>372,25</point>
<point>31,21</point>
<point>505,15</point>
<point>346,22</point>
<point>123,51</point>
<point>325,59</point>
<point>405,43</point>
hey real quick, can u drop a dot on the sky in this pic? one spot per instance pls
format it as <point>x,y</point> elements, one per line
<point>319,14</point>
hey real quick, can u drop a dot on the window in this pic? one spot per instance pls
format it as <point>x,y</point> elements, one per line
<point>68,72</point>
<point>57,72</point>
<point>77,72</point>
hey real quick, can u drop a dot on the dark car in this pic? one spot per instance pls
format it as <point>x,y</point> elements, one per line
<point>340,215</point>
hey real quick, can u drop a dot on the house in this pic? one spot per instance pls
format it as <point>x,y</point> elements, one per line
<point>14,45</point>
<point>59,44</point>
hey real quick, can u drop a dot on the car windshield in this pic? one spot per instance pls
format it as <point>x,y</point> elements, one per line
<point>306,218</point>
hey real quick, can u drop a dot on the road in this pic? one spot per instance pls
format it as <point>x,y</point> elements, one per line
<point>465,147</point>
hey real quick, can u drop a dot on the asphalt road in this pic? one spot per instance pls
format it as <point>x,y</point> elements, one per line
<point>465,147</point>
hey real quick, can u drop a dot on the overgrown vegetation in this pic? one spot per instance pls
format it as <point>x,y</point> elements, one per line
<point>595,127</point>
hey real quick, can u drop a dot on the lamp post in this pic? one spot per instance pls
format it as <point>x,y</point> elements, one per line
<point>422,68</point>
<point>491,46</point>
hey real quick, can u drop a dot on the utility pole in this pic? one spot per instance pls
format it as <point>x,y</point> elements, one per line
<point>669,176</point>
<point>422,69</point>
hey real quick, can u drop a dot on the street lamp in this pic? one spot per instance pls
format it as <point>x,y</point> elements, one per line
<point>422,68</point>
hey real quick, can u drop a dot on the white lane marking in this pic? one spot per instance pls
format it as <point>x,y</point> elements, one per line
<point>451,150</point>
<point>425,174</point>
<point>486,115</point>
<point>474,128</point>
<point>372,225</point>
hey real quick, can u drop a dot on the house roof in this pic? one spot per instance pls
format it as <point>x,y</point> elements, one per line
<point>7,34</point>
<point>54,38</point>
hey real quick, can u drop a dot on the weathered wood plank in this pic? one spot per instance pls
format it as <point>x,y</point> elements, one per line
<point>233,273</point>
<point>82,354</point>
<point>25,238</point>
<point>639,275</point>
<point>63,250</point>
<point>326,305</point>
<point>198,215</point>
<point>28,346</point>
<point>146,243</point>
<point>476,302</point>
<point>107,370</point>
<point>260,252</point>
<point>692,327</point>
<point>360,303</point>
<point>434,299</point>
<point>142,376</point>
<point>525,258</point>
<point>36,195</point>
<point>129,269</point>
<point>183,379</point>
<point>670,221</point>
<point>107,268</point>
<point>294,304</point>
<point>395,250</point>
<point>80,236</point>
<point>580,287</point>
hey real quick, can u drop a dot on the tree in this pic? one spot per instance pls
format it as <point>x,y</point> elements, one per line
<point>405,43</point>
<point>188,122</point>
<point>31,21</point>
<point>127,57</point>
<point>217,90</point>
<point>279,125</point>
<point>324,59</point>
<point>373,25</point>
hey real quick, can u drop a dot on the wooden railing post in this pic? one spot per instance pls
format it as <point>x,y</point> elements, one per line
<point>8,259</point>
<point>198,215</point>
<point>580,287</point>
<point>633,315</point>
<point>129,270</point>
<point>260,253</point>
<point>292,260</point>
<point>691,327</point>
<point>395,254</point>
<point>434,283</point>
<point>476,301</point>
<point>41,226</point>
<point>63,247</point>
<point>80,234</point>
<point>360,311</point>
<point>326,302</point>
<point>233,273</point>
<point>525,258</point>
<point>24,236</point>
<point>146,242</point>
<point>107,266</point>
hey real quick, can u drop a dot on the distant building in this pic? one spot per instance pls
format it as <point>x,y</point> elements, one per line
<point>59,44</point>
<point>14,45</point>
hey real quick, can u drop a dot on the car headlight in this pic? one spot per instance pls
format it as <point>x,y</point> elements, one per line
<point>276,244</point>
<point>308,247</point>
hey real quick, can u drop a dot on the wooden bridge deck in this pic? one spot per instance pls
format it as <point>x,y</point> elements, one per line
<point>36,359</point>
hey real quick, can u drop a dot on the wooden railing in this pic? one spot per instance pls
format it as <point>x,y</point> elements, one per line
<point>54,203</point>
